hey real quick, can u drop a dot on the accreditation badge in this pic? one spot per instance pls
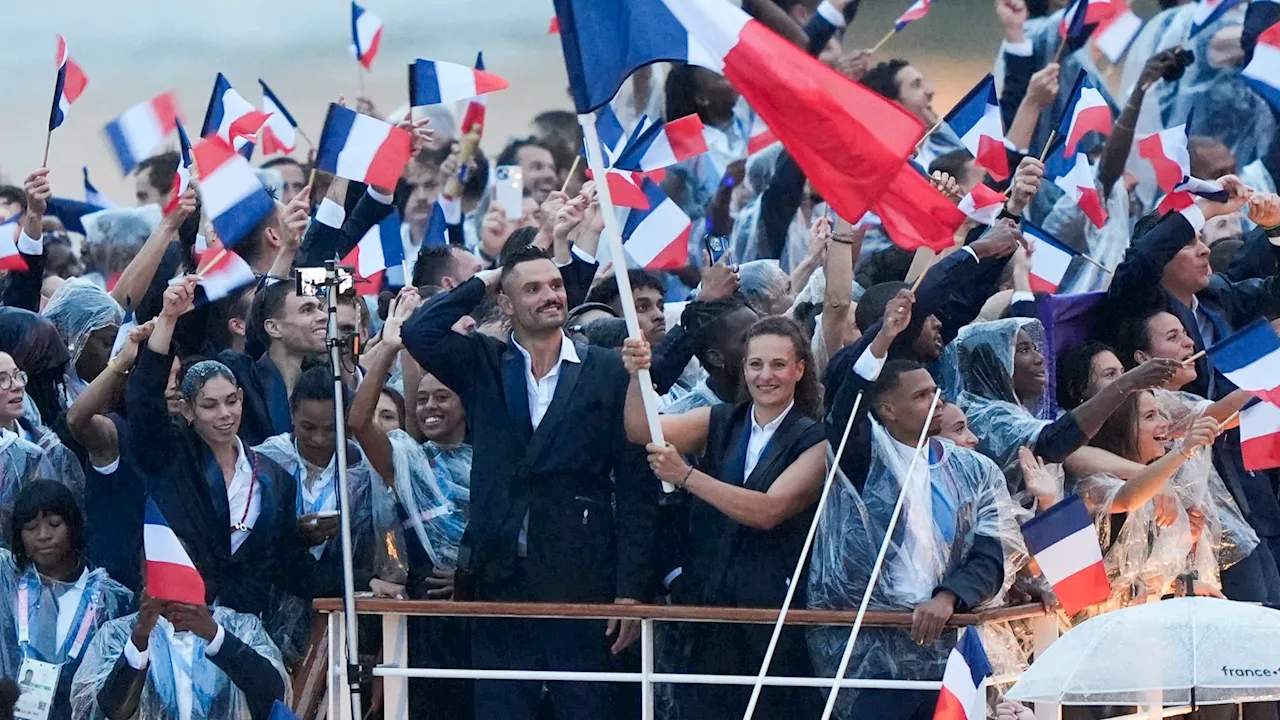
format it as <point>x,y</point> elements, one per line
<point>37,683</point>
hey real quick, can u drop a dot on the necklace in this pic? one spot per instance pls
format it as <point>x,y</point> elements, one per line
<point>253,476</point>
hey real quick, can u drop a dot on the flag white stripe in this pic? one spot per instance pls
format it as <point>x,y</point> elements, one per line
<point>1259,420</point>
<point>367,25</point>
<point>1259,374</point>
<point>456,82</point>
<point>656,232</point>
<point>162,546</point>
<point>1050,262</point>
<point>1070,555</point>
<point>141,129</point>
<point>1264,66</point>
<point>228,184</point>
<point>366,137</point>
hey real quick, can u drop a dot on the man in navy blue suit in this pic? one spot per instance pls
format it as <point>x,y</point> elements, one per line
<point>562,506</point>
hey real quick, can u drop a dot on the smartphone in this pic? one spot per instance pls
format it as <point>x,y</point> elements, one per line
<point>508,190</point>
<point>717,246</point>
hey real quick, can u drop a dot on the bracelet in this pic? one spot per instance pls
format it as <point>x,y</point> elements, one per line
<point>843,239</point>
<point>685,480</point>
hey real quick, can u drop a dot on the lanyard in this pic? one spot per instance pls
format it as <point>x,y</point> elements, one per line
<point>326,492</point>
<point>242,526</point>
<point>82,622</point>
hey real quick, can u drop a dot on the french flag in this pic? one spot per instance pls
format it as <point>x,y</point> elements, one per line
<point>91,194</point>
<point>170,573</point>
<point>379,249</point>
<point>760,136</point>
<point>982,204</point>
<point>226,273</point>
<point>1207,12</point>
<point>664,144</point>
<point>626,189</point>
<point>10,258</point>
<point>613,138</point>
<point>1079,184</point>
<point>141,129</point>
<point>1087,112</point>
<point>918,9</point>
<point>1263,71</point>
<point>473,117</point>
<point>1114,36</point>
<point>657,238</point>
<point>1260,436</point>
<point>1095,12</point>
<point>1167,152</point>
<point>1049,259</point>
<point>1251,359</point>
<point>827,122</point>
<point>1064,543</point>
<point>280,131</point>
<point>432,82</point>
<point>229,191</point>
<point>961,697</point>
<point>916,215</point>
<point>232,118</point>
<point>976,121</point>
<point>362,148</point>
<point>69,86</point>
<point>122,335</point>
<point>366,35</point>
<point>181,175</point>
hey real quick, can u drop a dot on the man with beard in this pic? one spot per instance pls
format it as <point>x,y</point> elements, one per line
<point>550,463</point>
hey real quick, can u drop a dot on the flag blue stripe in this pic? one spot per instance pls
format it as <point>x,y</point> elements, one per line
<point>333,137</point>
<point>236,222</point>
<point>1270,93</point>
<point>653,192</point>
<point>115,136</point>
<point>1043,236</point>
<point>971,108</point>
<point>1245,347</point>
<point>213,116</point>
<point>356,12</point>
<point>55,115</point>
<point>184,143</point>
<point>283,110</point>
<point>638,146</point>
<point>424,85</point>
<point>975,656</point>
<point>1056,523</point>
<point>152,515</point>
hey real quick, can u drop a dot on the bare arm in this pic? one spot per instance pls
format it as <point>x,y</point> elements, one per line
<point>687,432</point>
<point>1090,460</point>
<point>86,418</point>
<point>142,268</point>
<point>297,214</point>
<point>842,251</point>
<point>795,489</point>
<point>372,438</point>
<point>1040,94</point>
<point>1151,479</point>
<point>410,378</point>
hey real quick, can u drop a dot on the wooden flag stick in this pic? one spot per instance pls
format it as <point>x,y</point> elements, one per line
<point>303,135</point>
<point>573,170</point>
<point>932,130</point>
<point>1229,419</point>
<point>1192,360</point>
<point>916,285</point>
<point>1053,135</point>
<point>201,271</point>
<point>892,31</point>
<point>360,74</point>
<point>1097,264</point>
<point>44,163</point>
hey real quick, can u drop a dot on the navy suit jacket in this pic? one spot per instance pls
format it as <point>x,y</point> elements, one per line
<point>587,493</point>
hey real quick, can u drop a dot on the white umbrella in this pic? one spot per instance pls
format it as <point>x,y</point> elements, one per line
<point>1186,651</point>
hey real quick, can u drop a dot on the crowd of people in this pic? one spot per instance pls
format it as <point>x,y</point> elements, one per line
<point>499,445</point>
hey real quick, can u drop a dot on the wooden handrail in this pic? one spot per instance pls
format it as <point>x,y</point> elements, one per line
<point>764,616</point>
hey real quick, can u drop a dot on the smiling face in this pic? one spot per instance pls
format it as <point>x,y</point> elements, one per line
<point>1167,338</point>
<point>11,389</point>
<point>313,429</point>
<point>215,411</point>
<point>915,95</point>
<point>1104,368</point>
<point>439,411</point>
<point>533,296</point>
<point>955,427</point>
<point>300,326</point>
<point>1152,430</point>
<point>772,370</point>
<point>1029,374</point>
<point>1189,271</point>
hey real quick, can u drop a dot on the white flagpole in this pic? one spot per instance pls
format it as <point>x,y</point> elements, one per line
<point>804,555</point>
<point>875,569</point>
<point>613,235</point>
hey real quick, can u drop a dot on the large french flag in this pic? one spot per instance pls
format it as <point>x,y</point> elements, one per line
<point>226,273</point>
<point>1079,183</point>
<point>69,86</point>
<point>827,122</point>
<point>181,175</point>
<point>760,136</point>
<point>136,133</point>
<point>918,9</point>
<point>982,204</point>
<point>366,35</point>
<point>433,82</point>
<point>362,148</point>
<point>1064,543</point>
<point>231,117</point>
<point>280,131</point>
<point>961,697</point>
<point>657,238</point>
<point>91,194</point>
<point>379,249</point>
<point>1260,436</point>
<point>170,573</point>
<point>1087,112</point>
<point>230,193</point>
<point>1251,359</point>
<point>613,137</point>
<point>976,121</point>
<point>663,144</point>
<point>1263,71</point>
<point>1207,12</point>
<point>916,215</point>
<point>473,116</point>
<point>1114,36</point>
<point>1049,259</point>
<point>10,258</point>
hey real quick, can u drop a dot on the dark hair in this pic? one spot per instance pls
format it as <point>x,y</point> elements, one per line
<point>808,396</point>
<point>278,161</point>
<point>889,380</point>
<point>883,78</point>
<point>887,265</point>
<point>952,163</point>
<point>478,180</point>
<point>1146,223</point>
<point>528,253</point>
<point>234,306</point>
<point>315,383</point>
<point>510,154</point>
<point>1131,334</point>
<point>563,137</point>
<point>268,304</point>
<point>396,399</point>
<point>1223,253</point>
<point>1119,433</point>
<point>160,170</point>
<point>1072,372</point>
<point>873,302</point>
<point>14,194</point>
<point>428,157</point>
<point>254,243</point>
<point>519,239</point>
<point>606,291</point>
<point>681,91</point>
<point>606,332</point>
<point>434,263</point>
<point>701,319</point>
<point>8,698</point>
<point>45,497</point>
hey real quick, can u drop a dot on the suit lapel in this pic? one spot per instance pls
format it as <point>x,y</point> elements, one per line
<point>774,451</point>
<point>515,390</point>
<point>570,372</point>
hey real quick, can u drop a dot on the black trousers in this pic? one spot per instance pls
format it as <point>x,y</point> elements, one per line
<point>738,649</point>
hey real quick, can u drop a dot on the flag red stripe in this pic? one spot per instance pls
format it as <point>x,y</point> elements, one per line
<point>674,256</point>
<point>993,158</point>
<point>1168,173</point>
<point>171,581</point>
<point>389,161</point>
<point>949,706</point>
<point>1087,587</point>
<point>1041,285</point>
<point>1261,453</point>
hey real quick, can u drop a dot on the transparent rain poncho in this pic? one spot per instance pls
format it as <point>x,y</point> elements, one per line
<point>77,309</point>
<point>433,485</point>
<point>22,461</point>
<point>954,497</point>
<point>213,695</point>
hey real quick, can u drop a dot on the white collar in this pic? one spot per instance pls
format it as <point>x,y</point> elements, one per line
<point>567,351</point>
<point>242,461</point>
<point>772,425</point>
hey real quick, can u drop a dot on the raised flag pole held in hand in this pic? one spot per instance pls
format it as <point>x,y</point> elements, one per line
<point>573,170</point>
<point>875,569</point>
<point>892,31</point>
<point>613,235</point>
<point>801,562</point>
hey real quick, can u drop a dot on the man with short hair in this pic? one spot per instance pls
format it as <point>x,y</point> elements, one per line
<point>718,331</point>
<point>446,266</point>
<point>900,81</point>
<point>646,291</point>
<point>295,176</point>
<point>537,166</point>
<point>562,505</point>
<point>153,178</point>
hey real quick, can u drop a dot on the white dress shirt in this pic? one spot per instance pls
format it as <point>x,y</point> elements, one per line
<point>542,390</point>
<point>238,495</point>
<point>67,606</point>
<point>183,645</point>
<point>760,437</point>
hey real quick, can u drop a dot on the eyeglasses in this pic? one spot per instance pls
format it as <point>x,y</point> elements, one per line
<point>7,380</point>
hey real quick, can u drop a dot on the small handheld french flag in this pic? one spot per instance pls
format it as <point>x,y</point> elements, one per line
<point>279,133</point>
<point>976,121</point>
<point>362,148</point>
<point>379,249</point>
<point>1087,112</point>
<point>1263,71</point>
<point>170,573</point>
<point>961,697</point>
<point>663,144</point>
<point>181,175</point>
<point>432,82</point>
<point>1251,359</point>
<point>1114,36</point>
<point>126,325</point>
<point>232,118</point>
<point>229,191</point>
<point>366,35</point>
<point>1080,184</point>
<point>136,133</point>
<point>657,238</point>
<point>918,9</point>
<point>613,138</point>
<point>10,258</point>
<point>225,274</point>
<point>1049,259</point>
<point>70,85</point>
<point>91,194</point>
<point>1064,543</point>
<point>761,136</point>
<point>982,204</point>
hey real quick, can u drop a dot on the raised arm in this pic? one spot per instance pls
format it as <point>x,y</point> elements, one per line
<point>1018,55</point>
<point>23,289</point>
<point>137,274</point>
<point>430,339</point>
<point>296,218</point>
<point>372,438</point>
<point>843,249</point>
<point>1041,92</point>
<point>687,432</point>
<point>1116,151</point>
<point>144,394</point>
<point>1148,483</point>
<point>86,418</point>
